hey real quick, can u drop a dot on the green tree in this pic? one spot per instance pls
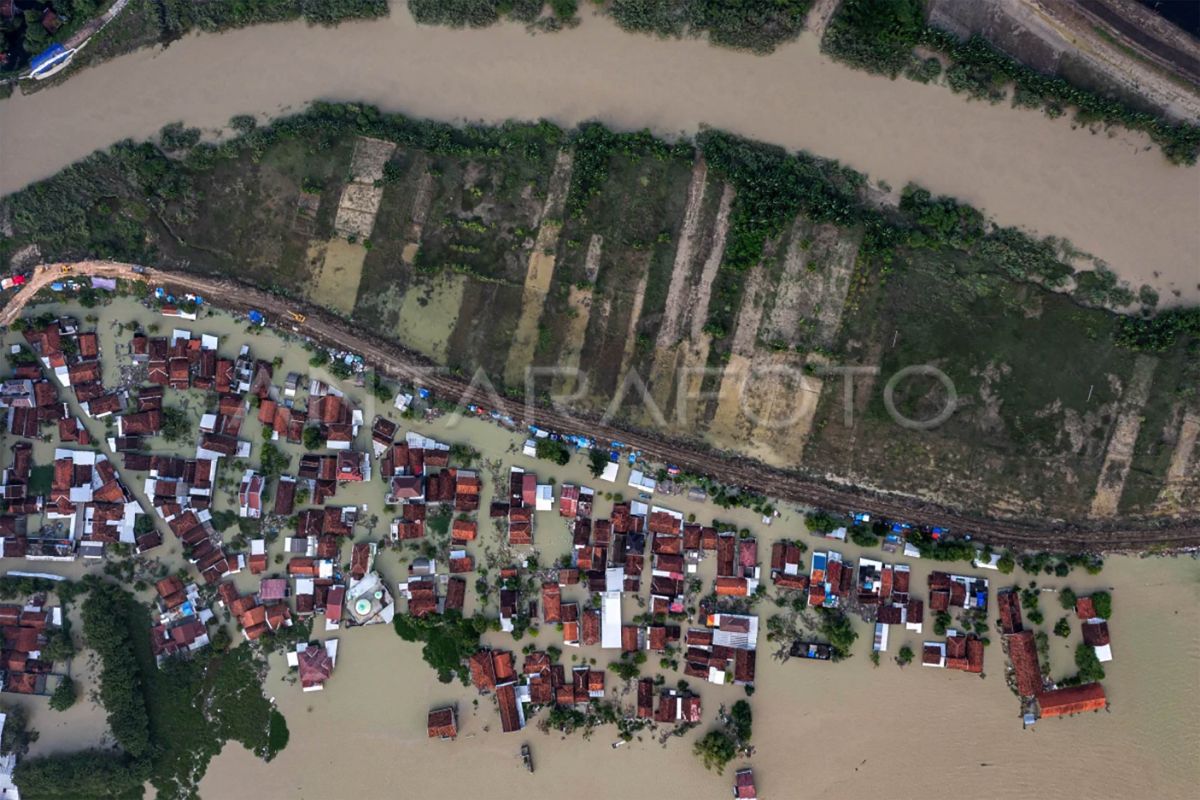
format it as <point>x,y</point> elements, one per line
<point>877,35</point>
<point>86,775</point>
<point>743,722</point>
<point>63,696</point>
<point>312,438</point>
<point>1062,628</point>
<point>176,427</point>
<point>1066,598</point>
<point>597,461</point>
<point>553,450</point>
<point>1102,601</point>
<point>1090,669</point>
<point>716,749</point>
<point>58,647</point>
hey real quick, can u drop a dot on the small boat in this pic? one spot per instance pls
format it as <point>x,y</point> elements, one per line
<point>527,757</point>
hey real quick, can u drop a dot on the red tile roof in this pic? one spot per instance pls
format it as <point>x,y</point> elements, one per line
<point>315,666</point>
<point>442,724</point>
<point>1095,634</point>
<point>463,530</point>
<point>591,626</point>
<point>1085,608</point>
<point>1072,700</point>
<point>1010,611</point>
<point>483,670</point>
<point>551,603</point>
<point>1022,650</point>
<point>506,699</point>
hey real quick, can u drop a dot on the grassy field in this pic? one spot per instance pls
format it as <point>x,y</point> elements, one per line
<point>499,247</point>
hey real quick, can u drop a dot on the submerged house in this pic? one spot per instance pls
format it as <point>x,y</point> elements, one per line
<point>1072,700</point>
<point>315,663</point>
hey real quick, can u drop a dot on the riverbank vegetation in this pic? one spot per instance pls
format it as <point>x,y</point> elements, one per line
<point>757,25</point>
<point>883,36</point>
<point>147,23</point>
<point>169,722</point>
<point>481,13</point>
<point>1017,326</point>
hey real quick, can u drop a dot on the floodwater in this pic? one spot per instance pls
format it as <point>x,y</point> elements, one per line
<point>828,730</point>
<point>1110,193</point>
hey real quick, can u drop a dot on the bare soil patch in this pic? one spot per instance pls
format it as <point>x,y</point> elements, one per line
<point>1119,455</point>
<point>361,197</point>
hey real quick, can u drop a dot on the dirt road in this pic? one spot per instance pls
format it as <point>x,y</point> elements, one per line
<point>399,363</point>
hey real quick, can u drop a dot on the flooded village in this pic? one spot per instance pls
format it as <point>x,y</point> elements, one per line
<point>440,585</point>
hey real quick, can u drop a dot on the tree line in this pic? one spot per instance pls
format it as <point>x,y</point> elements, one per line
<point>881,36</point>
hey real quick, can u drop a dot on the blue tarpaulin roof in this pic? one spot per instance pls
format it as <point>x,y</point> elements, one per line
<point>256,317</point>
<point>53,53</point>
<point>104,283</point>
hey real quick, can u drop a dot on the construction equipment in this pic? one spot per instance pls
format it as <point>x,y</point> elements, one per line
<point>296,316</point>
<point>65,269</point>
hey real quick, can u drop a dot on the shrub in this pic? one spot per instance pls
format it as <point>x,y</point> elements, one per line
<point>1066,598</point>
<point>63,696</point>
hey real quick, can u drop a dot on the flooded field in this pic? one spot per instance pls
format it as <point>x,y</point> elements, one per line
<point>1110,192</point>
<point>833,730</point>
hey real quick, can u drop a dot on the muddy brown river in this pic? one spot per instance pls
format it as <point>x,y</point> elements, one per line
<point>1111,193</point>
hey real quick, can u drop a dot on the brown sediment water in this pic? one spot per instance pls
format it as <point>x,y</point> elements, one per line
<point>829,730</point>
<point>1111,193</point>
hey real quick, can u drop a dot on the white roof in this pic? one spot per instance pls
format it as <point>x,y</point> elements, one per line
<point>614,579</point>
<point>610,472</point>
<point>1103,652</point>
<point>610,620</point>
<point>415,439</point>
<point>639,480</point>
<point>545,497</point>
<point>881,638</point>
<point>991,563</point>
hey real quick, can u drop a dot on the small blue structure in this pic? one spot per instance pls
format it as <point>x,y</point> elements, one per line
<point>44,62</point>
<point>256,317</point>
<point>56,287</point>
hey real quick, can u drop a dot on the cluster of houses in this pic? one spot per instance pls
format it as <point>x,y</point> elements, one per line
<point>1027,678</point>
<point>724,650</point>
<point>24,629</point>
<point>183,617</point>
<point>88,507</point>
<point>674,705</point>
